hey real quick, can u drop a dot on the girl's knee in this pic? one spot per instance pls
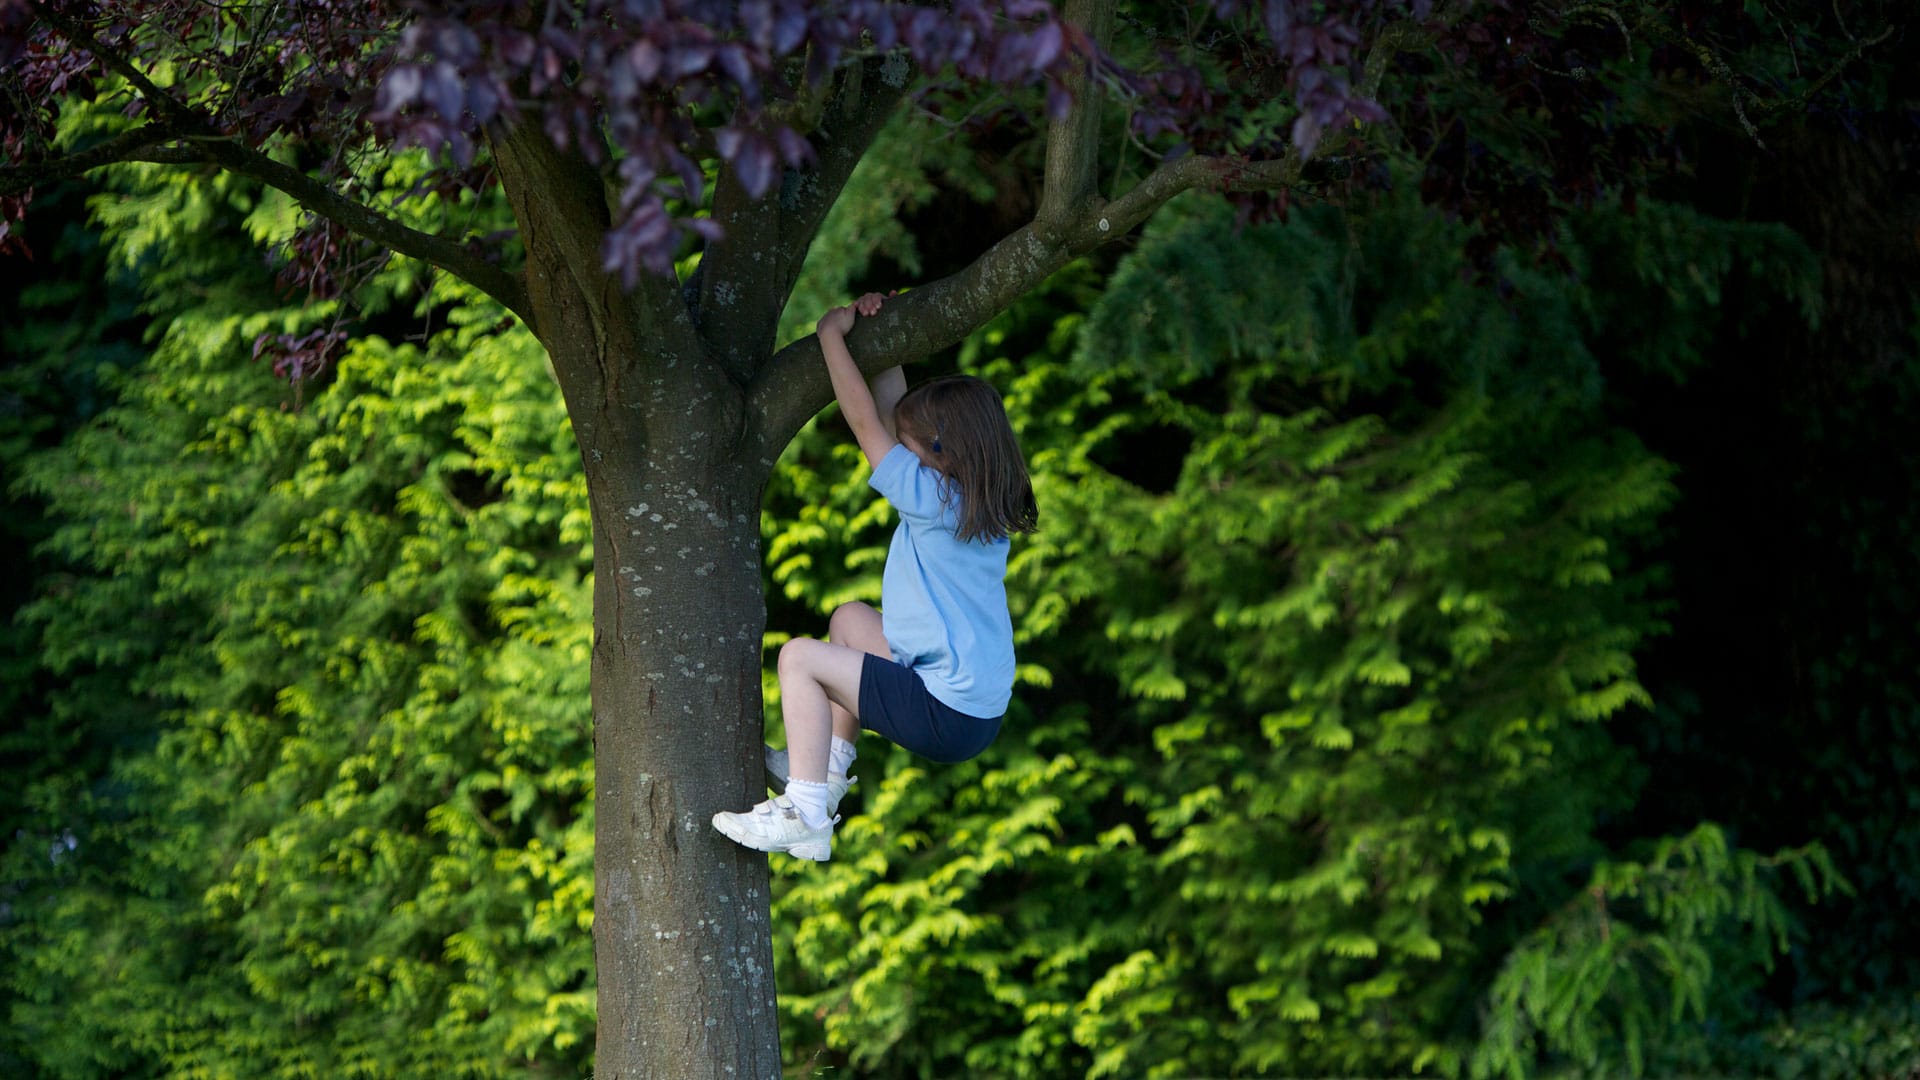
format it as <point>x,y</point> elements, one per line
<point>793,657</point>
<point>851,613</point>
<point>855,625</point>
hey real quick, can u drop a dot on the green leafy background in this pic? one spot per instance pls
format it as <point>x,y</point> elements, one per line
<point>1370,718</point>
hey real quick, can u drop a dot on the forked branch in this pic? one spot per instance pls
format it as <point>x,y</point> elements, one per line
<point>1072,221</point>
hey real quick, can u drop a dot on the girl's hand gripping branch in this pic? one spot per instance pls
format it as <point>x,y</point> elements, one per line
<point>857,404</point>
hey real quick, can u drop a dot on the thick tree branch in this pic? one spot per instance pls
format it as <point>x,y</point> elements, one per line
<point>1073,159</point>
<point>126,146</point>
<point>350,214</point>
<point>853,118</point>
<point>559,200</point>
<point>794,384</point>
<point>745,279</point>
<point>1395,39</point>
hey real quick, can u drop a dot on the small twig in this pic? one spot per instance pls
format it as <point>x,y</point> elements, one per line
<point>1719,69</point>
<point>162,100</point>
<point>1793,53</point>
<point>1842,20</point>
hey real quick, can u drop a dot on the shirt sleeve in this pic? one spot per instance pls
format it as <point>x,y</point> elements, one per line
<point>913,489</point>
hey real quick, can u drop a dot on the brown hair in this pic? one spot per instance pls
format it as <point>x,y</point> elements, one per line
<point>962,424</point>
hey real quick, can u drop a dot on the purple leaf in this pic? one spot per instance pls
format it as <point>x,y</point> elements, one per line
<point>1059,101</point>
<point>756,166</point>
<point>444,92</point>
<point>921,33</point>
<point>455,43</point>
<point>1047,43</point>
<point>461,146</point>
<point>483,100</point>
<point>636,174</point>
<point>646,59</point>
<point>398,90</point>
<point>562,42</point>
<point>756,18</point>
<point>790,29</point>
<point>794,148</point>
<point>691,58</point>
<point>886,34</point>
<point>1367,110</point>
<point>515,48</point>
<point>1011,57</point>
<point>1306,133</point>
<point>623,85</point>
<point>733,60</point>
<point>691,177</point>
<point>1278,17</point>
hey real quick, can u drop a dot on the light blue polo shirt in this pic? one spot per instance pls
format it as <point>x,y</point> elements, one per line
<point>943,603</point>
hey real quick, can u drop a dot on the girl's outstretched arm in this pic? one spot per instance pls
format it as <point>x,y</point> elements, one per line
<point>856,401</point>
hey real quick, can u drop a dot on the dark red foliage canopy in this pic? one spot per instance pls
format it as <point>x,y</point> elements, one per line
<point>649,89</point>
<point>1513,109</point>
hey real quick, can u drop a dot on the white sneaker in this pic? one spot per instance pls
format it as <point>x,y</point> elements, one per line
<point>776,825</point>
<point>777,773</point>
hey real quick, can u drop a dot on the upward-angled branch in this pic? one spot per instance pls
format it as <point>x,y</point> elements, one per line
<point>745,278</point>
<point>851,121</point>
<point>1073,159</point>
<point>351,214</point>
<point>560,201</point>
<point>184,136</point>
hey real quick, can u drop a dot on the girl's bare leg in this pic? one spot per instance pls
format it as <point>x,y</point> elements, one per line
<point>815,679</point>
<point>855,625</point>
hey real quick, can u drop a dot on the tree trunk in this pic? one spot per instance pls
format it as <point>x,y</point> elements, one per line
<point>681,937</point>
<point>681,941</point>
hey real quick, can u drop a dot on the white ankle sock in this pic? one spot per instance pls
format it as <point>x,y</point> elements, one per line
<point>840,755</point>
<point>810,798</point>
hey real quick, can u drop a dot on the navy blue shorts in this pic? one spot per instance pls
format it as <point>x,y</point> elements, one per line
<point>896,704</point>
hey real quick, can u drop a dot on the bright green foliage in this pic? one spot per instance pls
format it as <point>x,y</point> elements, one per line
<point>1343,569</point>
<point>1335,582</point>
<point>358,840</point>
<point>1361,643</point>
